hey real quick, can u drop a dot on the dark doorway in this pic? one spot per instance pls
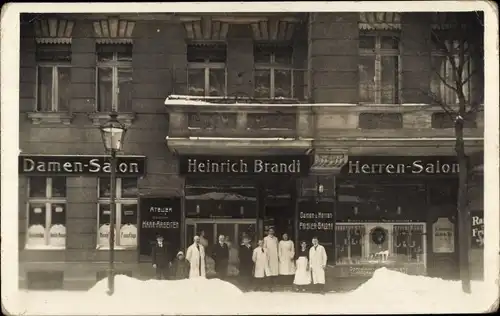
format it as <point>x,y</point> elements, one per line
<point>282,219</point>
<point>279,206</point>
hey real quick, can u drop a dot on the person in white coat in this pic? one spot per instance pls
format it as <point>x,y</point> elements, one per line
<point>286,254</point>
<point>317,264</point>
<point>261,268</point>
<point>196,256</point>
<point>271,244</point>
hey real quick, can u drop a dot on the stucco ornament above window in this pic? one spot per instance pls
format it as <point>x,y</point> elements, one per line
<point>274,29</point>
<point>113,31</point>
<point>53,31</point>
<point>328,162</point>
<point>205,29</point>
<point>380,20</point>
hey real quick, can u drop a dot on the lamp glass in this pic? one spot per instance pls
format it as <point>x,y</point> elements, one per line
<point>113,133</point>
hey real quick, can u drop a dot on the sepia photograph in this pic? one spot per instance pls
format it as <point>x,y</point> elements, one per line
<point>250,158</point>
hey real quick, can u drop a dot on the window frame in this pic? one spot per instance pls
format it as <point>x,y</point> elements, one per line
<point>47,201</point>
<point>119,202</point>
<point>54,66</point>
<point>206,66</point>
<point>115,65</point>
<point>272,66</point>
<point>445,69</point>
<point>378,52</point>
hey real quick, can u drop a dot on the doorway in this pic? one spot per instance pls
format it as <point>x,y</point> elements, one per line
<point>281,217</point>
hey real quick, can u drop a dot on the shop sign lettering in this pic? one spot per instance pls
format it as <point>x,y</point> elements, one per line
<point>477,222</point>
<point>389,165</point>
<point>316,221</point>
<point>81,165</point>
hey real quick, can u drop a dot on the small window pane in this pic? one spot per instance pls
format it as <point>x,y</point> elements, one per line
<point>58,187</point>
<point>105,89</point>
<point>212,53</point>
<point>217,82</point>
<point>262,55</point>
<point>367,42</point>
<point>262,84</point>
<point>53,53</point>
<point>350,242</point>
<point>128,229</point>
<point>63,88</point>
<point>44,97</point>
<point>408,243</point>
<point>389,42</point>
<point>104,187</point>
<point>196,82</point>
<point>125,89</point>
<point>58,226</point>
<point>36,235</point>
<point>129,187</point>
<point>282,83</point>
<point>389,79</point>
<point>367,78</point>
<point>38,187</point>
<point>283,56</point>
<point>103,57</point>
<point>125,54</point>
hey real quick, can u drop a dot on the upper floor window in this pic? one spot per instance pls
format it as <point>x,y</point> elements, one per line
<point>126,213</point>
<point>379,63</point>
<point>273,77</point>
<point>46,213</point>
<point>53,79</point>
<point>114,77</point>
<point>444,73</point>
<point>207,69</point>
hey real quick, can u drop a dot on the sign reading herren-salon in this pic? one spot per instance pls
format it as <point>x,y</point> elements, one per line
<point>248,165</point>
<point>40,165</point>
<point>401,165</point>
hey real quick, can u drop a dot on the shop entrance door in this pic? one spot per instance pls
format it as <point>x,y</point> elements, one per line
<point>209,231</point>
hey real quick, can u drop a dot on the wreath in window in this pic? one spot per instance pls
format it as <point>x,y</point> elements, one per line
<point>378,235</point>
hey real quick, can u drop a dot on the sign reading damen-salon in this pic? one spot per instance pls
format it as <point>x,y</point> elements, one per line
<point>41,165</point>
<point>286,165</point>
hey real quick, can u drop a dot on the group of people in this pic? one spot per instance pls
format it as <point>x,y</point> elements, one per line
<point>271,263</point>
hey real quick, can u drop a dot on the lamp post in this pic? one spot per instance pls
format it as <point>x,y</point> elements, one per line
<point>113,133</point>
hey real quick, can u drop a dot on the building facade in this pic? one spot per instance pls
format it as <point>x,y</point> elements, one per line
<point>318,124</point>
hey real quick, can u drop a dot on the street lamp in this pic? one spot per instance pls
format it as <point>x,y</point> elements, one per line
<point>113,133</point>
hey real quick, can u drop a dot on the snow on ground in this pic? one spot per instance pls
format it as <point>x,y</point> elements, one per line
<point>387,292</point>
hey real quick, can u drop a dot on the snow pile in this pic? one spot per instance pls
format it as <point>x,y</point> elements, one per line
<point>387,292</point>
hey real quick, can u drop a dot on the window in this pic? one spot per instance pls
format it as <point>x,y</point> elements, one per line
<point>443,75</point>
<point>46,213</point>
<point>207,70</point>
<point>53,77</point>
<point>114,77</point>
<point>273,77</point>
<point>379,68</point>
<point>126,213</point>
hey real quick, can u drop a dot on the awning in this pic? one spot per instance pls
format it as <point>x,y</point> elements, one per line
<point>238,146</point>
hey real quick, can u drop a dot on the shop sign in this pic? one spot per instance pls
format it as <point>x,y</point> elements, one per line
<point>401,165</point>
<point>477,221</point>
<point>245,165</point>
<point>316,220</point>
<point>78,165</point>
<point>443,236</point>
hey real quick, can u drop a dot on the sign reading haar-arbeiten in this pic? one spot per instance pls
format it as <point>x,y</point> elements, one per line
<point>401,165</point>
<point>41,165</point>
<point>245,165</point>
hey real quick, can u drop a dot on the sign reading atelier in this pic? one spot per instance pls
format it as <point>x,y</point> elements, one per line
<point>401,165</point>
<point>289,165</point>
<point>131,166</point>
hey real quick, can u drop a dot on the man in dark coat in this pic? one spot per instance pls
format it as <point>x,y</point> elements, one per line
<point>161,258</point>
<point>220,254</point>
<point>246,262</point>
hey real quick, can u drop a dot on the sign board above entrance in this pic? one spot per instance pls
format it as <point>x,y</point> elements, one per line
<point>245,165</point>
<point>78,165</point>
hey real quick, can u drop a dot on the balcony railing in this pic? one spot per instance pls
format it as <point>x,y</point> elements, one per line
<point>266,84</point>
<point>237,117</point>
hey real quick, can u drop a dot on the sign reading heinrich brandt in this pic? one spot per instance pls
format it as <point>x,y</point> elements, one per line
<point>131,166</point>
<point>286,165</point>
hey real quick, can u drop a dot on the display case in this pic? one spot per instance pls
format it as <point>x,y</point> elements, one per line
<point>361,248</point>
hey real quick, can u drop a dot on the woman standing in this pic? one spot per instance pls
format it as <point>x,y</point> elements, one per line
<point>286,254</point>
<point>302,274</point>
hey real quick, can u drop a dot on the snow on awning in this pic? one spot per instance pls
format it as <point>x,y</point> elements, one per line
<point>219,101</point>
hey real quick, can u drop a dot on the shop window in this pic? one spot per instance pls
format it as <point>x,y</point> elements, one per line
<point>114,77</point>
<point>380,120</point>
<point>207,70</point>
<point>380,243</point>
<point>126,197</point>
<point>444,120</point>
<point>273,76</point>
<point>379,64</point>
<point>53,77</point>
<point>46,213</point>
<point>444,74</point>
<point>45,280</point>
